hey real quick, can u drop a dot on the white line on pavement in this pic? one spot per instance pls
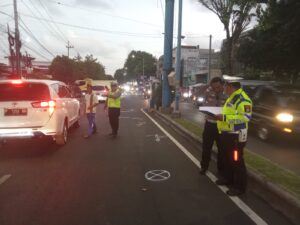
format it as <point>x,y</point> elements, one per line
<point>245,208</point>
<point>4,178</point>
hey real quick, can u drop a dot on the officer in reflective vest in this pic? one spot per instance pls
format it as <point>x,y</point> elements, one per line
<point>113,103</point>
<point>233,127</point>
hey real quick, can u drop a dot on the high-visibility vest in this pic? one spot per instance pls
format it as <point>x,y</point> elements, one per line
<point>237,112</point>
<point>113,103</point>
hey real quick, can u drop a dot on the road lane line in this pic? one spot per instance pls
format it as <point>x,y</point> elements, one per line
<point>243,206</point>
<point>4,178</point>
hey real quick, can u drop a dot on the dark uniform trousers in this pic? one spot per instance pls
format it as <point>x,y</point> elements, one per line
<point>234,171</point>
<point>113,115</point>
<point>209,136</point>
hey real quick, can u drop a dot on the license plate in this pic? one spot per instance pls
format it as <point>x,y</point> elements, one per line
<point>15,112</point>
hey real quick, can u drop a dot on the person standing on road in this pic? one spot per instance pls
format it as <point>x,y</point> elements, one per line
<point>91,101</point>
<point>113,103</point>
<point>233,126</point>
<point>214,96</point>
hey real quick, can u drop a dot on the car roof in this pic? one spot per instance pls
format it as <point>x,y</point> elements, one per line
<point>48,82</point>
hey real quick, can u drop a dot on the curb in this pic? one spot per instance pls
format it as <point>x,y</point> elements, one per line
<point>274,195</point>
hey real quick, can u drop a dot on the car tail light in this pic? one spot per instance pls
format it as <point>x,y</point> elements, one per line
<point>16,81</point>
<point>45,104</point>
<point>235,155</point>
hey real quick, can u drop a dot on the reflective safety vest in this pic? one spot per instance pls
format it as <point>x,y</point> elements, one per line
<point>113,102</point>
<point>237,112</point>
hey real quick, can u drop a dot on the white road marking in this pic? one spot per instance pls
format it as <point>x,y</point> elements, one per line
<point>157,139</point>
<point>4,178</point>
<point>243,206</point>
<point>139,124</point>
<point>127,111</point>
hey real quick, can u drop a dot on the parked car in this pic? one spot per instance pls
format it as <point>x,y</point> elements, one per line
<point>276,110</point>
<point>37,108</point>
<point>101,91</point>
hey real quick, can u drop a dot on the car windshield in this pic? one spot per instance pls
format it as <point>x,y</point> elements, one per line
<point>98,88</point>
<point>290,100</point>
<point>24,92</point>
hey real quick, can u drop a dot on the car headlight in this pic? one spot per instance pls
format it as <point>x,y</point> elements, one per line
<point>185,95</point>
<point>200,99</point>
<point>285,117</point>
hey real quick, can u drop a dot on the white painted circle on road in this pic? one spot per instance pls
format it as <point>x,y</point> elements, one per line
<point>157,175</point>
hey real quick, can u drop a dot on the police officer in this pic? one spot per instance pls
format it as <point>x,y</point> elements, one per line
<point>113,103</point>
<point>233,127</point>
<point>213,96</point>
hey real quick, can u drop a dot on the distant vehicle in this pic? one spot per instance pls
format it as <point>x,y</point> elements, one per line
<point>251,86</point>
<point>147,92</point>
<point>276,110</point>
<point>82,84</point>
<point>37,108</point>
<point>101,92</point>
<point>197,93</point>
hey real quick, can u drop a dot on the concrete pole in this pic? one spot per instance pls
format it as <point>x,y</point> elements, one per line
<point>209,60</point>
<point>168,45</point>
<point>17,40</point>
<point>178,58</point>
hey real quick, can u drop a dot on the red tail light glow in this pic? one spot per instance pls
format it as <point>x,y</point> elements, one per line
<point>17,82</point>
<point>45,104</point>
<point>235,155</point>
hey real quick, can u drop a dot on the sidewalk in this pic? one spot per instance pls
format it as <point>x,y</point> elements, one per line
<point>275,195</point>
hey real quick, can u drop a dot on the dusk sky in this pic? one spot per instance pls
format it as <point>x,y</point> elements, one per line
<point>108,29</point>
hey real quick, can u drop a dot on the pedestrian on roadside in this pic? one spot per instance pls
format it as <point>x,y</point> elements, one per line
<point>213,96</point>
<point>113,103</point>
<point>91,101</point>
<point>233,127</point>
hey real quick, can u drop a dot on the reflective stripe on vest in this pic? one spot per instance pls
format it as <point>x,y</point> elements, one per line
<point>231,108</point>
<point>113,103</point>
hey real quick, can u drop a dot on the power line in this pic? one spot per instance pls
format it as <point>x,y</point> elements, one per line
<point>49,25</point>
<point>57,27</point>
<point>97,29</point>
<point>103,13</point>
<point>28,31</point>
<point>36,52</point>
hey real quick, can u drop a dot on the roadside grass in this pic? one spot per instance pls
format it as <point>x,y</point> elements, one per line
<point>274,173</point>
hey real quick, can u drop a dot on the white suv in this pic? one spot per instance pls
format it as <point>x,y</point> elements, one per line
<point>37,108</point>
<point>101,92</point>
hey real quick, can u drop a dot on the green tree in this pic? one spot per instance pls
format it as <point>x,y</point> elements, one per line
<point>139,62</point>
<point>120,75</point>
<point>274,44</point>
<point>62,68</point>
<point>235,15</point>
<point>93,69</point>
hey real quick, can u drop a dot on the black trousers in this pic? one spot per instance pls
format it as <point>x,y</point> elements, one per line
<point>113,115</point>
<point>209,136</point>
<point>235,170</point>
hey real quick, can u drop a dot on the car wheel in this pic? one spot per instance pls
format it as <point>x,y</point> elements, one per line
<point>63,137</point>
<point>263,133</point>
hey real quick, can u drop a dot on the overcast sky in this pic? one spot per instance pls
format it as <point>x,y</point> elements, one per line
<point>108,29</point>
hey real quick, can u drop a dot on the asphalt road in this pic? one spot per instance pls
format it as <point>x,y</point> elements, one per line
<point>102,180</point>
<point>282,151</point>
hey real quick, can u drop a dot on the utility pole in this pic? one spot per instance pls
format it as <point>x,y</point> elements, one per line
<point>168,45</point>
<point>17,41</point>
<point>68,47</point>
<point>209,60</point>
<point>178,59</point>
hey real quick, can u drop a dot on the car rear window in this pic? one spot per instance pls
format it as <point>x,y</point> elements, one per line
<point>98,88</point>
<point>24,92</point>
